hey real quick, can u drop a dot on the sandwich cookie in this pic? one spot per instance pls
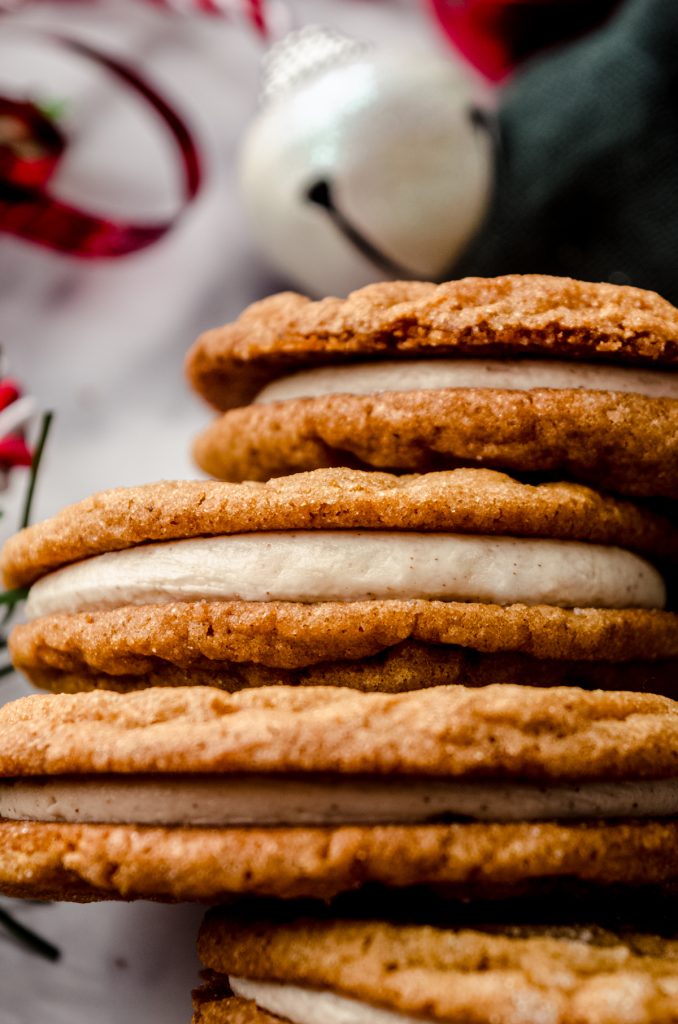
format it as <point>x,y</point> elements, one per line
<point>528,374</point>
<point>375,972</point>
<point>194,794</point>
<point>341,577</point>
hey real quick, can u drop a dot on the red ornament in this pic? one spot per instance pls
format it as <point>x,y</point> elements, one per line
<point>9,392</point>
<point>13,448</point>
<point>14,452</point>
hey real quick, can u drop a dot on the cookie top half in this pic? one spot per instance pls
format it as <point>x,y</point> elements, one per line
<point>515,315</point>
<point>500,732</point>
<point>466,501</point>
<point>502,976</point>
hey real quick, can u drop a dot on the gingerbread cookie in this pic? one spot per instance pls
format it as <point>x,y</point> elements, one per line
<point>341,577</point>
<point>374,970</point>
<point>414,376</point>
<point>195,794</point>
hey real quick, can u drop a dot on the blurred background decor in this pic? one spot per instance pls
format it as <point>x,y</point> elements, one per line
<point>587,170</point>
<point>32,143</point>
<point>495,36</point>
<point>18,413</point>
<point>369,163</point>
<point>102,340</point>
<point>364,162</point>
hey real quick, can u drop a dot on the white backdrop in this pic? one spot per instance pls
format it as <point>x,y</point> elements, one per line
<point>102,344</point>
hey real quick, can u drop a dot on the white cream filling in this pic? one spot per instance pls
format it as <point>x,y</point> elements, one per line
<point>309,1006</point>
<point>354,565</point>
<point>435,374</point>
<point>269,800</point>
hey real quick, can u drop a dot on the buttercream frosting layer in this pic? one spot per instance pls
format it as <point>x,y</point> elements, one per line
<point>263,801</point>
<point>354,565</point>
<point>434,374</point>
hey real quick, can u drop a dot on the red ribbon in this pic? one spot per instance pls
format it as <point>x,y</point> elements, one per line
<point>27,161</point>
<point>254,9</point>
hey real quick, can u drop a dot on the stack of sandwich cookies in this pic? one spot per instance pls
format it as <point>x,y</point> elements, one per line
<point>342,577</point>
<point>193,794</point>
<point>285,729</point>
<point>528,374</point>
<point>374,972</point>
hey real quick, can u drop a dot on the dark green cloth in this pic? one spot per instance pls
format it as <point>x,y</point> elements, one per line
<point>587,164</point>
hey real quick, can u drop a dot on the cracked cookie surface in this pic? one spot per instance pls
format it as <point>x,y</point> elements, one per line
<point>113,862</point>
<point>620,442</point>
<point>368,645</point>
<point>499,732</point>
<point>513,315</point>
<point>502,976</point>
<point>463,500</point>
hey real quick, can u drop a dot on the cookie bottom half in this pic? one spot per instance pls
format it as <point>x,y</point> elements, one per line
<point>212,1006</point>
<point>83,863</point>
<point>619,442</point>
<point>391,646</point>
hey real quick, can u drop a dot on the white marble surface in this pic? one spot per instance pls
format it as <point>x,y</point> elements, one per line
<point>102,344</point>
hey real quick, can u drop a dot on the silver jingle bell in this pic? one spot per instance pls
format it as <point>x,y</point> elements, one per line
<point>362,164</point>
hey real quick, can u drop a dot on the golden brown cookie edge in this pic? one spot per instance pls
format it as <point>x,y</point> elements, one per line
<point>291,638</point>
<point>93,862</point>
<point>618,442</point>
<point>449,974</point>
<point>528,314</point>
<point>504,731</point>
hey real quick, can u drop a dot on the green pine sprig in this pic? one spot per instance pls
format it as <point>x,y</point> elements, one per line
<point>28,938</point>
<point>45,426</point>
<point>53,110</point>
<point>12,598</point>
